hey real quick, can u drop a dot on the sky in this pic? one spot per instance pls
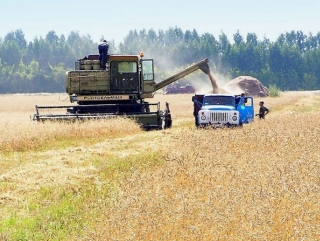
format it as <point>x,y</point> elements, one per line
<point>112,20</point>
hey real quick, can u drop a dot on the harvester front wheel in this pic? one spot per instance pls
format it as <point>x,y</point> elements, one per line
<point>166,122</point>
<point>166,118</point>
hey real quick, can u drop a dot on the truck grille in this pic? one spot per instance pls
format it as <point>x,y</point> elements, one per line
<point>219,117</point>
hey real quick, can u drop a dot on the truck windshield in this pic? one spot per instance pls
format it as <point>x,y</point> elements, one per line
<point>218,100</point>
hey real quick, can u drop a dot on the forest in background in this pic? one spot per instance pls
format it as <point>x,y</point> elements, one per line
<point>292,62</point>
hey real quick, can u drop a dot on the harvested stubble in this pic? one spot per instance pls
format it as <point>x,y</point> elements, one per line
<point>259,182</point>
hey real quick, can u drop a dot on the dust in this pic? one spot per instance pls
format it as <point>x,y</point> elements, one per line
<point>214,83</point>
<point>242,84</point>
<point>214,88</point>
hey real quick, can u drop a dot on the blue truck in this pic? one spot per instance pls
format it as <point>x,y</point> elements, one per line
<point>218,110</point>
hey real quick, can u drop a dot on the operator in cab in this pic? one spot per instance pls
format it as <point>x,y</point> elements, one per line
<point>103,53</point>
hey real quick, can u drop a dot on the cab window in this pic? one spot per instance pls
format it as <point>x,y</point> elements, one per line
<point>147,70</point>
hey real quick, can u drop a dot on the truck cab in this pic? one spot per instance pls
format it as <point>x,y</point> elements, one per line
<point>219,110</point>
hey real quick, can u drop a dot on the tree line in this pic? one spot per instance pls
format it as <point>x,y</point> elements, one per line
<point>292,62</point>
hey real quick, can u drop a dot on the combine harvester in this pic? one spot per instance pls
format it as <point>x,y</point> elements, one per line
<point>120,90</point>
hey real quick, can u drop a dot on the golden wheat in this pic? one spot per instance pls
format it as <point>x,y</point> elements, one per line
<point>259,182</point>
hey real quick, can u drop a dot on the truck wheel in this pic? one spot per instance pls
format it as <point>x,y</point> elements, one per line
<point>196,122</point>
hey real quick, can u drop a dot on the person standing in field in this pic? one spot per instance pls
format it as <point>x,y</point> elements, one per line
<point>263,111</point>
<point>103,53</point>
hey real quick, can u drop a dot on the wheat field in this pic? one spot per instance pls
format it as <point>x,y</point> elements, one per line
<point>109,180</point>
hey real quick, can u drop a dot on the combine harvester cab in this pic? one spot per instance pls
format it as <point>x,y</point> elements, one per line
<point>120,90</point>
<point>219,110</point>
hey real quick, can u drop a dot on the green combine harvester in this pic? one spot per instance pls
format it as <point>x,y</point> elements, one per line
<point>119,90</point>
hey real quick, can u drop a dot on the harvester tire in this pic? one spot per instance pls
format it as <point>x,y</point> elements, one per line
<point>166,122</point>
